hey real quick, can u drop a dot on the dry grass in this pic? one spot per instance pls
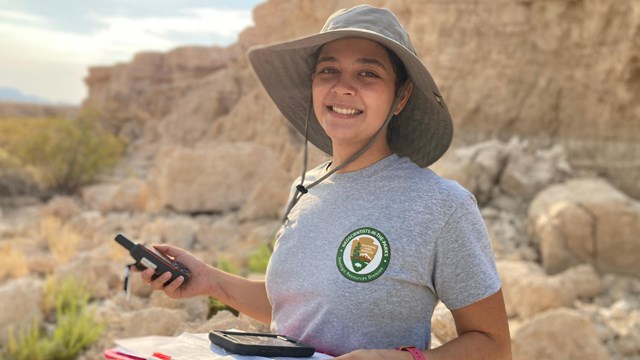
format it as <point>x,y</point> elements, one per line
<point>14,263</point>
<point>60,237</point>
<point>118,253</point>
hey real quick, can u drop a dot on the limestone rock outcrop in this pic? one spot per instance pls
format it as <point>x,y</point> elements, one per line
<point>521,280</point>
<point>558,334</point>
<point>587,221</point>
<point>540,70</point>
<point>216,178</point>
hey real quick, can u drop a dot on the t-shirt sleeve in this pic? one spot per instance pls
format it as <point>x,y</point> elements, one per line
<point>464,267</point>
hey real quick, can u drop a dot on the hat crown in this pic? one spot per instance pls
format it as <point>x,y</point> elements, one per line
<point>371,19</point>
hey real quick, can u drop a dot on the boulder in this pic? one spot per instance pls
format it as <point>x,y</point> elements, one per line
<point>557,334</point>
<point>176,230</point>
<point>218,177</point>
<point>520,280</point>
<point>196,308</point>
<point>97,272</point>
<point>127,195</point>
<point>507,231</point>
<point>476,167</point>
<point>529,170</point>
<point>512,170</point>
<point>62,207</point>
<point>21,301</point>
<point>587,221</point>
<point>219,235</point>
<point>165,322</point>
<point>265,201</point>
<point>443,328</point>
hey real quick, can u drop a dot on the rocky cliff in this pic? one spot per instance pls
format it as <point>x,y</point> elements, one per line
<point>550,72</point>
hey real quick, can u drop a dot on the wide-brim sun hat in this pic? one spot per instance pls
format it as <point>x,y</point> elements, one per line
<point>422,131</point>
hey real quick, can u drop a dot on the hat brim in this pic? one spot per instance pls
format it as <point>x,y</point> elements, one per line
<point>422,131</point>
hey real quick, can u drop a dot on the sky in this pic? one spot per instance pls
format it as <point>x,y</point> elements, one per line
<point>46,47</point>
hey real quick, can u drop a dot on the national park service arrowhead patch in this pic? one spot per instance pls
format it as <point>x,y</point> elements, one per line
<point>363,255</point>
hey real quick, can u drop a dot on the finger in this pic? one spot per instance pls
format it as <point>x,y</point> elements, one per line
<point>168,250</point>
<point>172,288</point>
<point>159,282</point>
<point>146,275</point>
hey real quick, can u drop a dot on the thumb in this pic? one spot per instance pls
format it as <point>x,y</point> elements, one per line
<point>168,250</point>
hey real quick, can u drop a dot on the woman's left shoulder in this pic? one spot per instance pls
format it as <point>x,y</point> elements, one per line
<point>428,180</point>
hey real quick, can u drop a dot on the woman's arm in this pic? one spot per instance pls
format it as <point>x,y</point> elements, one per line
<point>244,295</point>
<point>247,296</point>
<point>483,333</point>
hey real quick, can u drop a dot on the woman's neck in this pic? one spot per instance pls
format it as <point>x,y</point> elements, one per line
<point>375,153</point>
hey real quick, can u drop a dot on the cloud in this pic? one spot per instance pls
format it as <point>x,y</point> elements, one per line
<point>29,42</point>
<point>120,34</point>
<point>11,16</point>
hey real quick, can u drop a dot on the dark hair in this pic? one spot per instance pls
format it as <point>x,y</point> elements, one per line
<point>398,68</point>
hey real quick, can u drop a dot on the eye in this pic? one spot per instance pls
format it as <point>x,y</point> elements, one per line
<point>368,73</point>
<point>327,70</point>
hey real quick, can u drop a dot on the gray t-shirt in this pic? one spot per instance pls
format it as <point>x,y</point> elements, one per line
<point>366,255</point>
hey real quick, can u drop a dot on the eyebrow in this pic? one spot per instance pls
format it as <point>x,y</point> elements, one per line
<point>363,60</point>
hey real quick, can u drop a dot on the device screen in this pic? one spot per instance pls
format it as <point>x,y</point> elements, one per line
<point>261,340</point>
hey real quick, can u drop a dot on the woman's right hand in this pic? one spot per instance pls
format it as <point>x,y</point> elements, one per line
<point>197,285</point>
<point>247,296</point>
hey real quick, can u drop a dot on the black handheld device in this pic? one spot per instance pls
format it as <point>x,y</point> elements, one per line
<point>149,258</point>
<point>260,344</point>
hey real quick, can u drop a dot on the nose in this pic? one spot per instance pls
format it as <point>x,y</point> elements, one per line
<point>343,86</point>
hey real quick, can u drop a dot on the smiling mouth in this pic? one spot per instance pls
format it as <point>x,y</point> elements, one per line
<point>344,111</point>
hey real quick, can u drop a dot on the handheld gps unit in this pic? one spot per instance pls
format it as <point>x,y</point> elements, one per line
<point>146,257</point>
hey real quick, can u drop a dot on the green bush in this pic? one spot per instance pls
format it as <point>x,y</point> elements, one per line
<point>75,329</point>
<point>66,153</point>
<point>227,265</point>
<point>259,259</point>
<point>15,178</point>
<point>215,305</point>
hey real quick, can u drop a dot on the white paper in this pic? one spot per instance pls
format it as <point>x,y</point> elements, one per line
<point>188,346</point>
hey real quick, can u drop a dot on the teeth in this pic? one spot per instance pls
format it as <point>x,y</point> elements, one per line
<point>346,111</point>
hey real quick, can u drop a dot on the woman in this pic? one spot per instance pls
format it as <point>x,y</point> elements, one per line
<point>371,240</point>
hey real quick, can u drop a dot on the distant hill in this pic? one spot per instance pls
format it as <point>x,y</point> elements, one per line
<point>23,109</point>
<point>15,95</point>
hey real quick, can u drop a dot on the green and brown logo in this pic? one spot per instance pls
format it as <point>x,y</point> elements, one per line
<point>363,255</point>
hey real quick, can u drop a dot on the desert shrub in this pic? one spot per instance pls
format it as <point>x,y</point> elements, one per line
<point>259,259</point>
<point>75,329</point>
<point>14,263</point>
<point>15,178</point>
<point>215,305</point>
<point>62,293</point>
<point>67,153</point>
<point>62,240</point>
<point>227,265</point>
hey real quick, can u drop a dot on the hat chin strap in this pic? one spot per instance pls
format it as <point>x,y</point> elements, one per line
<point>301,189</point>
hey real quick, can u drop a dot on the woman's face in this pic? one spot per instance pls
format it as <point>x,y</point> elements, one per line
<point>353,88</point>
